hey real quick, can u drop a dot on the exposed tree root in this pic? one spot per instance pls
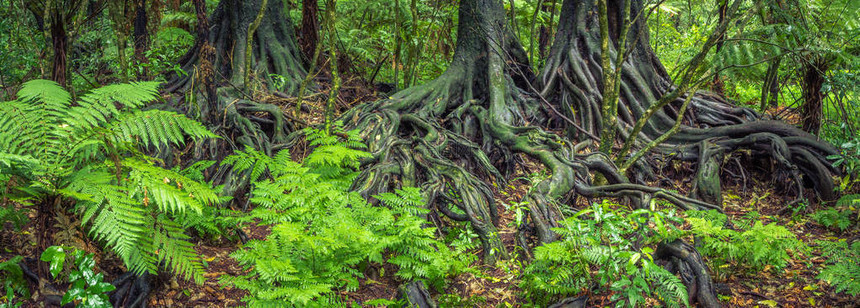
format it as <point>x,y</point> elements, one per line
<point>132,291</point>
<point>571,302</point>
<point>214,91</point>
<point>712,128</point>
<point>688,263</point>
<point>415,295</point>
<point>438,136</point>
<point>460,134</point>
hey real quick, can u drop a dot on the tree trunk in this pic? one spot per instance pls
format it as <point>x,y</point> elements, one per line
<point>213,89</point>
<point>274,51</point>
<point>571,77</point>
<point>309,32</point>
<point>813,100</point>
<point>722,8</point>
<point>59,40</point>
<point>770,87</point>
<point>545,29</point>
<point>119,12</point>
<point>141,37</point>
<point>438,135</point>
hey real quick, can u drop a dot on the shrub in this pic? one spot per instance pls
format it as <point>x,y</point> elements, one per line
<point>86,288</point>
<point>752,248</point>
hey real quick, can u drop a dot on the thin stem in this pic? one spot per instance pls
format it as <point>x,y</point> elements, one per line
<point>249,39</point>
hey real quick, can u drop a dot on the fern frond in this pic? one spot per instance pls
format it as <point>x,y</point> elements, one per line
<point>48,96</point>
<point>100,105</point>
<point>21,165</point>
<point>171,191</point>
<point>21,127</point>
<point>157,128</point>
<point>174,250</point>
<point>119,220</point>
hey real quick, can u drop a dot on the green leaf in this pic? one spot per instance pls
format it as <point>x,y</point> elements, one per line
<point>100,288</point>
<point>76,291</point>
<point>55,256</point>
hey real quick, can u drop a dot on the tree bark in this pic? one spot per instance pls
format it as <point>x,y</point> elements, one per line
<point>213,89</point>
<point>141,37</point>
<point>274,47</point>
<point>309,31</point>
<point>59,41</point>
<point>813,100</point>
<point>770,86</point>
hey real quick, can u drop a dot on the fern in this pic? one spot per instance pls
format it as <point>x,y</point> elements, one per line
<point>753,249</point>
<point>12,282</point>
<point>842,269</point>
<point>89,151</point>
<point>321,232</point>
<point>603,238</point>
<point>833,218</point>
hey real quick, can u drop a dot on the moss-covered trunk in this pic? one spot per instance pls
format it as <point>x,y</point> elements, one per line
<point>214,87</point>
<point>572,80</point>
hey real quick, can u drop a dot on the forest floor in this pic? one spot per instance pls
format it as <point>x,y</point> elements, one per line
<point>497,286</point>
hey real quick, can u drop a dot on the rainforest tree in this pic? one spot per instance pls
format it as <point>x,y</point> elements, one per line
<point>602,115</point>
<point>459,133</point>
<point>244,38</point>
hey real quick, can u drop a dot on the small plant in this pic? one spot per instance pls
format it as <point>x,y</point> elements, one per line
<point>87,288</point>
<point>842,269</point>
<point>322,232</point>
<point>833,218</point>
<point>603,248</point>
<point>849,160</point>
<point>8,213</point>
<point>12,280</point>
<point>754,249</point>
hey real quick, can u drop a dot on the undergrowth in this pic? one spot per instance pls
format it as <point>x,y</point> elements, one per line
<point>85,156</point>
<point>842,269</point>
<point>605,248</point>
<point>323,235</point>
<point>752,248</point>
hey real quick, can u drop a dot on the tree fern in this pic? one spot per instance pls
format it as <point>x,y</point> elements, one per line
<point>89,151</point>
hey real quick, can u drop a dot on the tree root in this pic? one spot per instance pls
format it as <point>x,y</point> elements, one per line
<point>687,262</point>
<point>415,295</point>
<point>571,302</point>
<point>132,291</point>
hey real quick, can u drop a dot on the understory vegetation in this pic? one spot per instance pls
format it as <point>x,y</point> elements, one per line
<point>471,153</point>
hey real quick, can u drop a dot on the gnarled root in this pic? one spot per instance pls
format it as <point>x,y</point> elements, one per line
<point>132,291</point>
<point>415,295</point>
<point>687,262</point>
